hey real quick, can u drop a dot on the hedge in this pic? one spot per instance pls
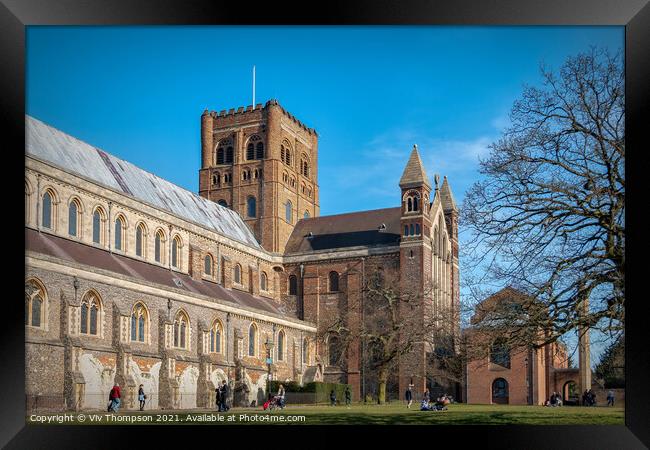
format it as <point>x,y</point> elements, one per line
<point>320,390</point>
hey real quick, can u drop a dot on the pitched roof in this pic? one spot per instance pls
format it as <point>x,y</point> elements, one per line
<point>414,173</point>
<point>446,197</point>
<point>72,155</point>
<point>346,230</point>
<point>88,255</point>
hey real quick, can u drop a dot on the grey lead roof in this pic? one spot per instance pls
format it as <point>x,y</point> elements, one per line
<point>72,155</point>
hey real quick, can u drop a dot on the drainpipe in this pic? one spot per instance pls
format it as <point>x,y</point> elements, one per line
<point>302,292</point>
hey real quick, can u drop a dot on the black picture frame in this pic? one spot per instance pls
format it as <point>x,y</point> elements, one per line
<point>15,15</point>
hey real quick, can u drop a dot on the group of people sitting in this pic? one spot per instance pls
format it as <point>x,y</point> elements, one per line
<point>555,400</point>
<point>440,403</point>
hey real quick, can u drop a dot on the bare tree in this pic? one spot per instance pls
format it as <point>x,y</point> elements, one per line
<point>394,323</point>
<point>548,217</point>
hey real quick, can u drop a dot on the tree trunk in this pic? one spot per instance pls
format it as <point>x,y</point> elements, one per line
<point>383,378</point>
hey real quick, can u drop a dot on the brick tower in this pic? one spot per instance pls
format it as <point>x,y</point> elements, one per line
<point>261,162</point>
<point>415,264</point>
<point>451,218</point>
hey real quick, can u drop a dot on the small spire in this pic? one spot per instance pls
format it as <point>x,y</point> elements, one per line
<point>446,197</point>
<point>414,173</point>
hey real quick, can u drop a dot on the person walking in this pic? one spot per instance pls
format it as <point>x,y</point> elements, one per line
<point>348,396</point>
<point>115,397</point>
<point>610,398</point>
<point>409,396</point>
<point>281,393</point>
<point>217,401</point>
<point>332,398</point>
<point>141,397</point>
<point>224,396</point>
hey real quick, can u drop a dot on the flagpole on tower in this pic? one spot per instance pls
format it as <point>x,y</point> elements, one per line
<point>253,86</point>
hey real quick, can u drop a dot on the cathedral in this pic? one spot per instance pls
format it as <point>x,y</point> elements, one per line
<point>132,279</point>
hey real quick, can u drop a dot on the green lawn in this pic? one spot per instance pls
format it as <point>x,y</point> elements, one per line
<point>392,414</point>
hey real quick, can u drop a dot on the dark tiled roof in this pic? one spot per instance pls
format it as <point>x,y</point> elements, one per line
<point>91,256</point>
<point>346,230</point>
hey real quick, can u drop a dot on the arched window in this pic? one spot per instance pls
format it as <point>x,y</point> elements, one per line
<point>435,240</point>
<point>304,167</point>
<point>409,204</point>
<point>251,204</point>
<point>406,230</point>
<point>411,230</point>
<point>35,306</point>
<point>207,265</point>
<point>500,353</point>
<point>48,209</point>
<point>252,340</point>
<point>255,148</point>
<point>90,314</point>
<point>223,203</point>
<point>119,228</point>
<point>305,351</point>
<point>98,229</point>
<point>281,339</point>
<point>334,347</point>
<point>237,274</point>
<point>293,285</point>
<point>140,240</point>
<point>263,281</point>
<point>139,323</point>
<point>216,179</point>
<point>181,330</point>
<point>417,229</point>
<point>285,153</point>
<point>224,151</point>
<point>74,214</point>
<point>415,204</point>
<point>176,249</point>
<point>216,337</point>
<point>288,211</point>
<point>334,281</point>
<point>159,247</point>
<point>306,216</point>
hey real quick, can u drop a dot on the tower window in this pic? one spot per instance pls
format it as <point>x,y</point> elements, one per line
<point>140,238</point>
<point>259,154</point>
<point>288,211</point>
<point>334,281</point>
<point>223,203</point>
<point>411,230</point>
<point>237,274</point>
<point>229,155</point>
<point>417,229</point>
<point>293,285</point>
<point>251,206</point>
<point>406,230</point>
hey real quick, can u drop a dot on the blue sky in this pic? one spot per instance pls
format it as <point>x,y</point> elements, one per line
<point>370,92</point>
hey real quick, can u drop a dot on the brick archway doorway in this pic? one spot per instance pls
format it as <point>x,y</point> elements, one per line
<point>500,393</point>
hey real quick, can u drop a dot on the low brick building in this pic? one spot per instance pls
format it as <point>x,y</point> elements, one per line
<point>497,374</point>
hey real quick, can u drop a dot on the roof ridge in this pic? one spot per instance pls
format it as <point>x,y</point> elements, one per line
<point>349,213</point>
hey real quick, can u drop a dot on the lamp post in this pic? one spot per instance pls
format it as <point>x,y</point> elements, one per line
<point>269,346</point>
